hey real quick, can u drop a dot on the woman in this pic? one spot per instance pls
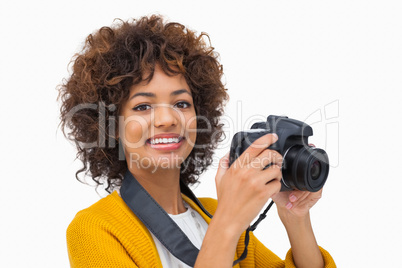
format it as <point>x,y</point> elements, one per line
<point>144,99</point>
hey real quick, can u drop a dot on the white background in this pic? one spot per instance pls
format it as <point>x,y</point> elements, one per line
<point>340,60</point>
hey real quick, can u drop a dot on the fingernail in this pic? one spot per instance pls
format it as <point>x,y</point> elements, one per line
<point>292,198</point>
<point>289,205</point>
<point>275,136</point>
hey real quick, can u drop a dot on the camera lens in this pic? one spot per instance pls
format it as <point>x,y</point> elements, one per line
<point>315,170</point>
<point>305,168</point>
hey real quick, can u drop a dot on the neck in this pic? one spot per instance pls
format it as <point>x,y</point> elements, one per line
<point>164,187</point>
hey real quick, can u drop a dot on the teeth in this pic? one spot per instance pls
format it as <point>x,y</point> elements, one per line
<point>165,140</point>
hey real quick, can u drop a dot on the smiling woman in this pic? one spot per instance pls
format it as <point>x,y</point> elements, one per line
<point>118,60</point>
<point>167,126</point>
<point>163,83</point>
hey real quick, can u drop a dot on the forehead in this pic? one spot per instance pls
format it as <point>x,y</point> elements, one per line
<point>161,84</point>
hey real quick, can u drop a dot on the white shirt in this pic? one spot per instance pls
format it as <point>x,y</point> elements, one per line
<point>193,225</point>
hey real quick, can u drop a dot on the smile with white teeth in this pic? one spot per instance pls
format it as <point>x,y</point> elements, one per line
<point>164,140</point>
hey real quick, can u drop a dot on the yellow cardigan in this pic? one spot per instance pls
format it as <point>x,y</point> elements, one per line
<point>108,234</point>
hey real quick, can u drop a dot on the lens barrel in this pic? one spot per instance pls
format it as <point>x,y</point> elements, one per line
<point>315,170</point>
<point>305,168</point>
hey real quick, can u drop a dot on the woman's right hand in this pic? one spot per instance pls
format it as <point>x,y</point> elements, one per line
<point>242,189</point>
<point>245,187</point>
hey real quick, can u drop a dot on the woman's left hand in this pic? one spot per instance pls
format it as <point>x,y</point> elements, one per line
<point>294,212</point>
<point>295,204</point>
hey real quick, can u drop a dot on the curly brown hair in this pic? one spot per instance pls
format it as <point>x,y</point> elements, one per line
<point>114,59</point>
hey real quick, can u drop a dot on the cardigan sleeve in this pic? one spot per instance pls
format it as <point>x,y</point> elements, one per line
<point>328,261</point>
<point>266,258</point>
<point>260,256</point>
<point>91,244</point>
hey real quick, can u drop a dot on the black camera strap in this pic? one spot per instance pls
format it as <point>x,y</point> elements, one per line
<point>252,228</point>
<point>159,223</point>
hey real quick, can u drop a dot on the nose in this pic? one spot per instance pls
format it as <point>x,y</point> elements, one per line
<point>165,116</point>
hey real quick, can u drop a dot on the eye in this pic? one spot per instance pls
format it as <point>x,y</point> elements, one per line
<point>182,104</point>
<point>142,107</point>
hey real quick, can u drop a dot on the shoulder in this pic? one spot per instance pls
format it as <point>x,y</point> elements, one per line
<point>109,234</point>
<point>107,213</point>
<point>100,209</point>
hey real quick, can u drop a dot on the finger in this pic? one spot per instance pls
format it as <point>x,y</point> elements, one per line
<point>267,157</point>
<point>316,195</point>
<point>223,167</point>
<point>260,178</point>
<point>267,182</point>
<point>271,174</point>
<point>309,195</point>
<point>256,148</point>
<point>305,198</point>
<point>273,187</point>
<point>297,196</point>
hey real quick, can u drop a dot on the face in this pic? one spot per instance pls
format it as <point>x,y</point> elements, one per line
<point>158,123</point>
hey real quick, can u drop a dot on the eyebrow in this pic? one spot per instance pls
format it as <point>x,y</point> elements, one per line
<point>152,95</point>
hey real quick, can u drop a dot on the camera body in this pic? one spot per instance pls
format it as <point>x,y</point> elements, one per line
<point>304,167</point>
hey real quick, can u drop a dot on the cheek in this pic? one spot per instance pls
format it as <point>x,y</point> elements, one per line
<point>191,127</point>
<point>135,131</point>
<point>192,123</point>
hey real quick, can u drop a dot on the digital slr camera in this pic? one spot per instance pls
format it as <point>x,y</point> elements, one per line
<point>304,167</point>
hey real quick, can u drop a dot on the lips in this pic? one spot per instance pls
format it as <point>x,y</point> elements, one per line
<point>165,139</point>
<point>166,142</point>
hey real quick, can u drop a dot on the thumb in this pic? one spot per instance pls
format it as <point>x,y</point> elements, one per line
<point>223,166</point>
